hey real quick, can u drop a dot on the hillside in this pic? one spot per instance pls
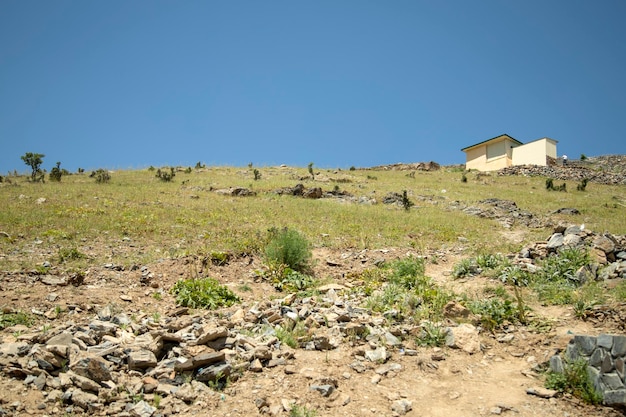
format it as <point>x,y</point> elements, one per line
<point>396,314</point>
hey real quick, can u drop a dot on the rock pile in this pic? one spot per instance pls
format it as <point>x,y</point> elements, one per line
<point>605,356</point>
<point>569,173</point>
<point>608,252</point>
<point>107,364</point>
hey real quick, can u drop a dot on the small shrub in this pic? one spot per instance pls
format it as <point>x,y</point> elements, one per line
<point>80,170</point>
<point>551,187</point>
<point>432,335</point>
<point>70,254</point>
<point>514,275</point>
<point>288,247</point>
<point>102,176</point>
<point>56,173</point>
<point>310,169</point>
<point>292,333</point>
<point>203,293</point>
<point>407,272</point>
<point>188,170</point>
<point>574,380</point>
<point>583,157</point>
<point>352,168</point>
<point>464,177</point>
<point>165,176</point>
<point>494,312</point>
<point>583,185</point>
<point>406,202</point>
<point>199,165</point>
<point>257,174</point>
<point>464,268</point>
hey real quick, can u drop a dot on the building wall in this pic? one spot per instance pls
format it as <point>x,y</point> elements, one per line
<point>534,153</point>
<point>490,156</point>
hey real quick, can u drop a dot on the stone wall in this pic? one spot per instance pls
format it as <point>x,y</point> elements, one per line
<point>605,356</point>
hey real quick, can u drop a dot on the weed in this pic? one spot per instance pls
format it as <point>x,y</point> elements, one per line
<point>466,267</point>
<point>310,169</point>
<point>494,312</point>
<point>245,288</point>
<point>583,185</point>
<point>199,165</point>
<point>551,187</point>
<point>288,247</point>
<point>574,380</point>
<point>556,281</point>
<point>464,177</point>
<point>292,333</point>
<point>432,335</point>
<point>157,296</point>
<point>15,318</point>
<point>203,293</point>
<point>302,411</point>
<point>619,292</point>
<point>70,254</point>
<point>514,275</point>
<point>156,401</point>
<point>257,174</point>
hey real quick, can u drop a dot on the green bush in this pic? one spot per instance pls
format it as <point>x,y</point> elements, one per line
<point>288,247</point>
<point>574,380</point>
<point>494,312</point>
<point>165,176</point>
<point>432,335</point>
<point>203,293</point>
<point>56,173</point>
<point>406,272</point>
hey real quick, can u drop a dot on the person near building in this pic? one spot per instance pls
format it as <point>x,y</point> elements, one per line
<point>564,159</point>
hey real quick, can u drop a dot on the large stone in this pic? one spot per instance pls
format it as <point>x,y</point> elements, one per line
<point>617,397</point>
<point>213,372</point>
<point>210,333</point>
<point>94,368</point>
<point>604,243</point>
<point>141,359</point>
<point>619,346</point>
<point>555,241</point>
<point>84,400</point>
<point>585,344</point>
<point>142,409</point>
<point>464,337</point>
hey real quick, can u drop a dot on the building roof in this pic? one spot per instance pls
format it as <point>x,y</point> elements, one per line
<point>489,140</point>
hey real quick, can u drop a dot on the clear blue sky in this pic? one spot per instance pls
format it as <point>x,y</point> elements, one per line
<point>129,84</point>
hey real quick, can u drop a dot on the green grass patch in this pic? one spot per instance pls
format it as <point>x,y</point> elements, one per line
<point>15,318</point>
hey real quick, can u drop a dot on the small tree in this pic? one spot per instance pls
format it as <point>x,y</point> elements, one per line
<point>310,167</point>
<point>34,161</point>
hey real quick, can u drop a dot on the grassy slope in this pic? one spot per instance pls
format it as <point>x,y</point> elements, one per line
<point>185,216</point>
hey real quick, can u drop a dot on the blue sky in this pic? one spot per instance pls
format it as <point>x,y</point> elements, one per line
<point>129,84</point>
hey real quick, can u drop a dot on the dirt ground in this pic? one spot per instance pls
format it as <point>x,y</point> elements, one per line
<point>437,381</point>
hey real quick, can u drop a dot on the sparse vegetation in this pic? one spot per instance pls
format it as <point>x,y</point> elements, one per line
<point>165,175</point>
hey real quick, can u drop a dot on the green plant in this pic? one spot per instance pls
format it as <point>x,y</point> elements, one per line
<point>101,176</point>
<point>551,187</point>
<point>165,176</point>
<point>583,157</point>
<point>288,247</point>
<point>56,173</point>
<point>494,312</point>
<point>34,161</point>
<point>432,335</point>
<point>514,275</point>
<point>293,281</point>
<point>464,268</point>
<point>203,293</point>
<point>583,185</point>
<point>406,272</point>
<point>67,254</point>
<point>15,318</point>
<point>574,380</point>
<point>292,333</point>
<point>157,296</point>
<point>257,174</point>
<point>406,202</point>
<point>464,177</point>
<point>199,165</point>
<point>302,411</point>
<point>310,169</point>
<point>156,401</point>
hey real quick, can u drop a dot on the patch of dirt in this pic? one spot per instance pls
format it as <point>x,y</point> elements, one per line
<point>438,382</point>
